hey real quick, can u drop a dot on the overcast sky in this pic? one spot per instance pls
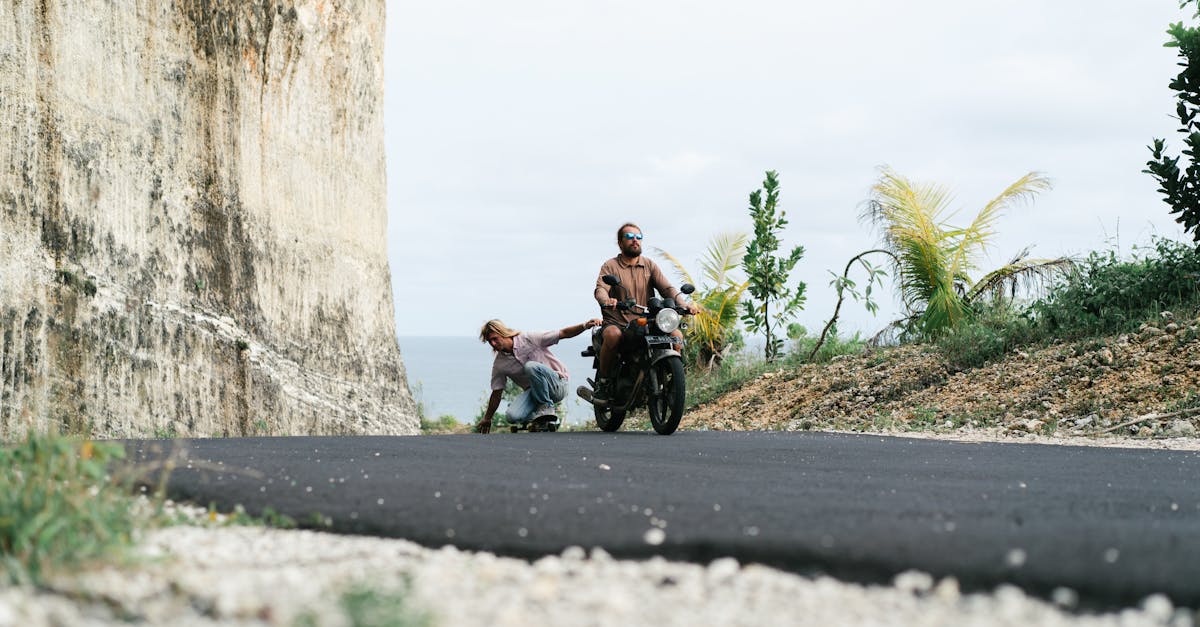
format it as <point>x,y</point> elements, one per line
<point>521,134</point>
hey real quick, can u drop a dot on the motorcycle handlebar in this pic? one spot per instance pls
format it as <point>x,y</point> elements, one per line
<point>626,305</point>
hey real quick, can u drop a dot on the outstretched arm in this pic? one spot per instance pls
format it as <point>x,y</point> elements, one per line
<point>485,425</point>
<point>574,330</point>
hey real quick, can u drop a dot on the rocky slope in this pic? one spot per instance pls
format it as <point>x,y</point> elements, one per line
<point>192,220</point>
<point>1143,386</point>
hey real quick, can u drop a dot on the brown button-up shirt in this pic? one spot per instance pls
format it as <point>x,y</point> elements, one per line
<point>639,279</point>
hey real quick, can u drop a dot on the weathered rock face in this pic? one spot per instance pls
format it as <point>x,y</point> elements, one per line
<point>192,219</point>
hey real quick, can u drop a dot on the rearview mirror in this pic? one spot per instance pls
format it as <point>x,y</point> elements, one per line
<point>611,279</point>
<point>687,288</point>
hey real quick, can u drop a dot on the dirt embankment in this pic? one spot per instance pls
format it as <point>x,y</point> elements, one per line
<point>1150,379</point>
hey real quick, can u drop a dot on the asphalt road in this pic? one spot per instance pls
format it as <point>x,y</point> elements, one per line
<point>1115,525</point>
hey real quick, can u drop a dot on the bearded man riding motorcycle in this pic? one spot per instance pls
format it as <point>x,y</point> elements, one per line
<point>640,277</point>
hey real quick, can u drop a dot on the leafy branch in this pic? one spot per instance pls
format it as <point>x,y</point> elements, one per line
<point>843,284</point>
<point>1181,188</point>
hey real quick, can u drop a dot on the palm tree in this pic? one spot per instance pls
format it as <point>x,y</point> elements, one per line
<point>718,296</point>
<point>934,260</point>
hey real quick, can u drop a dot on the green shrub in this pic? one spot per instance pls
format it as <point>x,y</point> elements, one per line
<point>731,374</point>
<point>741,368</point>
<point>834,345</point>
<point>991,332</point>
<point>373,608</point>
<point>444,424</point>
<point>1110,295</point>
<point>363,606</point>
<point>1102,296</point>
<point>58,506</point>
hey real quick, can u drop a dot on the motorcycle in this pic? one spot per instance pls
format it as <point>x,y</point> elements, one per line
<point>649,368</point>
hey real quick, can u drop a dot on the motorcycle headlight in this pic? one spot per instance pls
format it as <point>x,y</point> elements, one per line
<point>667,320</point>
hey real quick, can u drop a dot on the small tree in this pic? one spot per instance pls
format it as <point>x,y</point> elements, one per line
<point>767,273</point>
<point>1181,190</point>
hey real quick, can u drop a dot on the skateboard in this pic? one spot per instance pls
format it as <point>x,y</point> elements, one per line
<point>549,422</point>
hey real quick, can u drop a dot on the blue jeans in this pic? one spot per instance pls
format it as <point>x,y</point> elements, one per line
<point>545,388</point>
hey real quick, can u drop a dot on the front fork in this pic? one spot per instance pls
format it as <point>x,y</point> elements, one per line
<point>655,392</point>
<point>650,375</point>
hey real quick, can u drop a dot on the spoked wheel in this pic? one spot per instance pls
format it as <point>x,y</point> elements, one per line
<point>667,408</point>
<point>609,419</point>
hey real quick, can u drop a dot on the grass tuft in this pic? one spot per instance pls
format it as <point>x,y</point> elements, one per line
<point>739,369</point>
<point>365,606</point>
<point>995,331</point>
<point>59,508</point>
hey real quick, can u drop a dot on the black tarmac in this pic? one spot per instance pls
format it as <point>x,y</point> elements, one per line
<point>1114,525</point>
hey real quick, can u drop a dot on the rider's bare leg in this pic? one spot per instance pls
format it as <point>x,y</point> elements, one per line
<point>611,339</point>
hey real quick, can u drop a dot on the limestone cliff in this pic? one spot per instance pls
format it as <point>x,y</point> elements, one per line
<point>192,219</point>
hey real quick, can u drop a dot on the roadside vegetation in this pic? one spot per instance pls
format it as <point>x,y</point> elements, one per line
<point>1024,303</point>
<point>933,260</point>
<point>1180,188</point>
<point>713,334</point>
<point>1103,296</point>
<point>443,424</point>
<point>59,507</point>
<point>365,606</point>
<point>68,502</point>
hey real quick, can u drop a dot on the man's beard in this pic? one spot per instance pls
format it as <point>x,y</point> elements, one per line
<point>632,253</point>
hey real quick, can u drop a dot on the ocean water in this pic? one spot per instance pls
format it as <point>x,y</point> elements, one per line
<point>452,375</point>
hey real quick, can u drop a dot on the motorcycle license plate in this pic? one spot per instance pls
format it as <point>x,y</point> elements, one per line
<point>660,339</point>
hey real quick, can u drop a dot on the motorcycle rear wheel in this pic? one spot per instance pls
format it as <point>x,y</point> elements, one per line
<point>609,419</point>
<point>667,408</point>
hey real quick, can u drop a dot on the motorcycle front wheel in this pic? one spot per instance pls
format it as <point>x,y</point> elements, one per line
<point>609,419</point>
<point>667,408</point>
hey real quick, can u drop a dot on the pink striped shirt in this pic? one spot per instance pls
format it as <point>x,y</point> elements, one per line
<point>527,346</point>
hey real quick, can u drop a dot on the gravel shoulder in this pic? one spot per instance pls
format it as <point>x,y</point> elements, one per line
<point>257,576</point>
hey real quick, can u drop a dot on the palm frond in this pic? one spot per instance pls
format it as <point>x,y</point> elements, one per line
<point>933,260</point>
<point>909,217</point>
<point>719,297</point>
<point>944,310</point>
<point>680,270</point>
<point>718,314</point>
<point>723,255</point>
<point>1020,274</point>
<point>976,237</point>
<point>923,268</point>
